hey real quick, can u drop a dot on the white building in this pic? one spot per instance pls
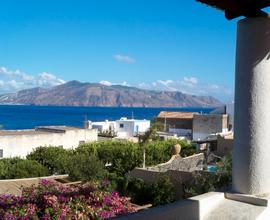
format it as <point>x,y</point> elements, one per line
<point>123,128</point>
<point>209,124</point>
<point>22,142</point>
<point>102,126</point>
<point>127,128</point>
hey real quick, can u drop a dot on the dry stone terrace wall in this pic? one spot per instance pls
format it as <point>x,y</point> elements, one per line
<point>178,163</point>
<point>180,170</point>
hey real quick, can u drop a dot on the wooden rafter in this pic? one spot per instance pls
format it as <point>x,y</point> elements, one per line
<point>236,8</point>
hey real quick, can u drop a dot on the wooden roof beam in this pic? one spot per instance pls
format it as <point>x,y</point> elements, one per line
<point>237,8</point>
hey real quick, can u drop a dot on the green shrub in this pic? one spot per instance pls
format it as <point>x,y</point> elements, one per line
<point>160,151</point>
<point>121,156</point>
<point>54,158</point>
<point>209,181</point>
<point>13,168</point>
<point>161,191</point>
<point>85,167</point>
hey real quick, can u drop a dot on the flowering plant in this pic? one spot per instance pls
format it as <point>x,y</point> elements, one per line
<point>52,200</point>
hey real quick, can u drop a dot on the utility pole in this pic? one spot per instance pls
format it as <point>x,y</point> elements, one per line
<point>165,123</point>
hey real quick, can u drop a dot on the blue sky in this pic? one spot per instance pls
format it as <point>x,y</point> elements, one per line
<point>155,44</point>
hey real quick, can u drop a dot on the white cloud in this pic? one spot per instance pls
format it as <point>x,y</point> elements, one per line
<point>47,79</point>
<point>17,73</point>
<point>190,85</point>
<point>165,82</point>
<point>105,82</point>
<point>13,84</point>
<point>125,83</point>
<point>13,80</point>
<point>124,58</point>
<point>191,80</point>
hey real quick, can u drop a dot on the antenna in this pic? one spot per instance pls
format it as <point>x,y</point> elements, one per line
<point>165,123</point>
<point>85,121</point>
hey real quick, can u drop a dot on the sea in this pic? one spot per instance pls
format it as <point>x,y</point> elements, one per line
<point>29,116</point>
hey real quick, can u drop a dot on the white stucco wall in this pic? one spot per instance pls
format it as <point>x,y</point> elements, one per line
<point>22,144</point>
<point>127,130</point>
<point>130,127</point>
<point>142,125</point>
<point>251,150</point>
<point>104,125</point>
<point>207,124</point>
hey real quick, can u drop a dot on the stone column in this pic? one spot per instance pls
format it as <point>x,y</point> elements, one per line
<point>251,151</point>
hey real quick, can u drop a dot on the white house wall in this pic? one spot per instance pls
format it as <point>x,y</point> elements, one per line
<point>142,125</point>
<point>21,145</point>
<point>127,130</point>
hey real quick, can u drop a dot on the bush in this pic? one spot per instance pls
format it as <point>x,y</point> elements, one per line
<point>121,156</point>
<point>13,168</point>
<point>85,167</point>
<point>54,158</point>
<point>208,181</point>
<point>161,191</point>
<point>160,151</point>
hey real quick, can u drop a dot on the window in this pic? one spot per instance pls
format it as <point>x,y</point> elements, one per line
<point>1,153</point>
<point>121,125</point>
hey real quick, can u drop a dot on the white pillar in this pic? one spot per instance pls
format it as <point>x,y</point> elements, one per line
<point>251,151</point>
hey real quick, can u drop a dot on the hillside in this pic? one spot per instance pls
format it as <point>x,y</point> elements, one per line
<point>75,93</point>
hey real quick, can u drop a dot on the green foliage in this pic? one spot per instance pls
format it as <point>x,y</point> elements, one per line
<point>161,191</point>
<point>85,167</point>
<point>160,151</point>
<point>151,134</point>
<point>122,156</point>
<point>54,158</point>
<point>209,181</point>
<point>12,168</point>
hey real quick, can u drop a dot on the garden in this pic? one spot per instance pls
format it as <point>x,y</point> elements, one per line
<point>93,164</point>
<point>105,190</point>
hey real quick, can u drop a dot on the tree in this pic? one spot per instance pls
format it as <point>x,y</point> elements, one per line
<point>150,134</point>
<point>54,158</point>
<point>85,167</point>
<point>13,168</point>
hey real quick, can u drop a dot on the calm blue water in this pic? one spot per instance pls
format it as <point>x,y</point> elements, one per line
<point>23,117</point>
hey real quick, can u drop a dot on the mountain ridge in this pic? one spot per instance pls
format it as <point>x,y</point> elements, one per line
<point>75,93</point>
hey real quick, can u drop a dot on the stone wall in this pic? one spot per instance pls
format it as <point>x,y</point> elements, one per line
<point>180,170</point>
<point>179,163</point>
<point>224,145</point>
<point>206,124</point>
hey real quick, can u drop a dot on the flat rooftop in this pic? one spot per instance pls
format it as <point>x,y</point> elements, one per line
<point>39,130</point>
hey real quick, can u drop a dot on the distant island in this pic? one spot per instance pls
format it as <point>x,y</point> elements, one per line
<point>76,93</point>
